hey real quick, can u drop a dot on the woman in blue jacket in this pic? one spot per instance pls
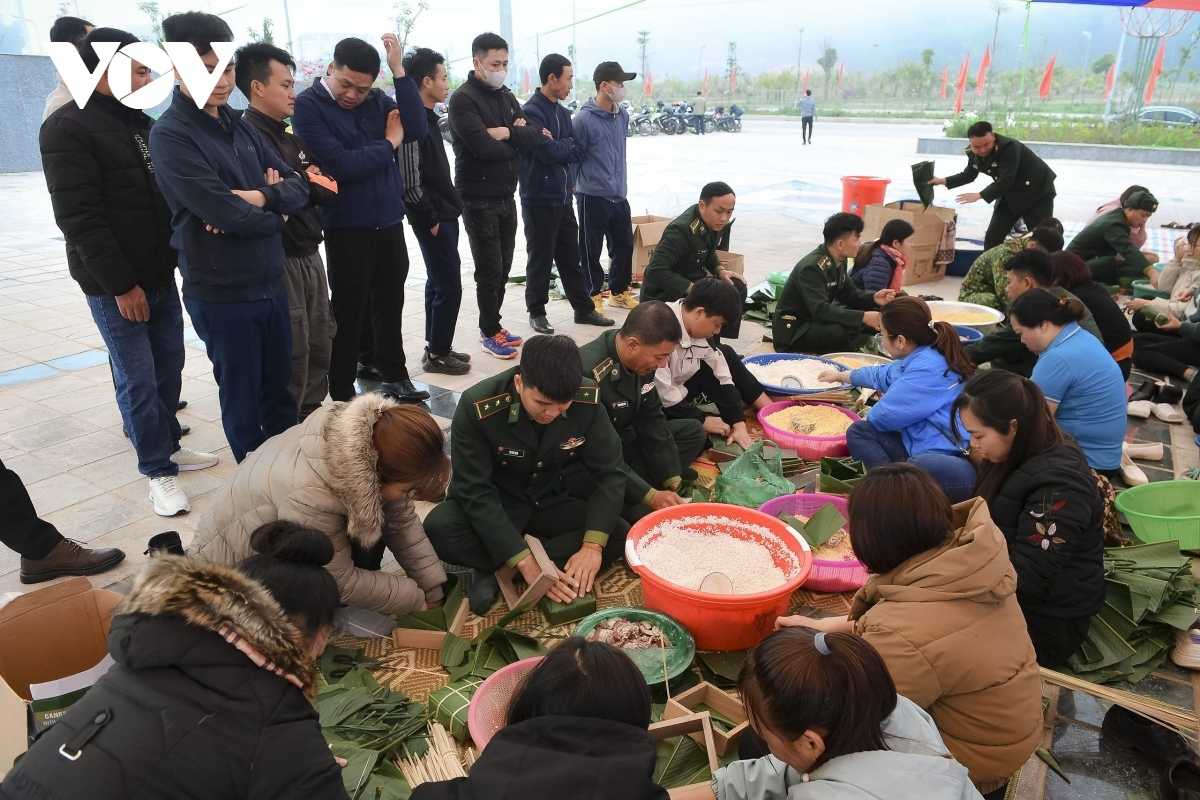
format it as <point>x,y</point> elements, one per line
<point>881,264</point>
<point>911,422</point>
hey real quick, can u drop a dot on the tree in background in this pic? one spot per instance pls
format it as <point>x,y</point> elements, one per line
<point>827,62</point>
<point>1100,65</point>
<point>151,10</point>
<point>1185,55</point>
<point>266,35</point>
<point>927,67</point>
<point>405,19</point>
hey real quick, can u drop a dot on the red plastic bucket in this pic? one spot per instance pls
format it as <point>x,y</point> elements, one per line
<point>722,621</point>
<point>860,191</point>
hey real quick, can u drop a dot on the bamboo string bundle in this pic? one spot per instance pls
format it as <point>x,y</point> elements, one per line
<point>1181,721</point>
<point>838,396</point>
<point>440,763</point>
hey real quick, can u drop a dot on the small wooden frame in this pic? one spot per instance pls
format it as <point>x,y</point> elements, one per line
<point>694,725</point>
<point>535,591</point>
<point>682,704</point>
<point>431,640</point>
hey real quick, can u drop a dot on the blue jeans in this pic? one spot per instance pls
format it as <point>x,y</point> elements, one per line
<point>874,448</point>
<point>600,218</point>
<point>147,364</point>
<point>250,347</point>
<point>443,286</point>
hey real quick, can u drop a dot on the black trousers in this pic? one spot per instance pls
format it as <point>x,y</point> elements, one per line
<point>1003,219</point>
<point>1191,402</point>
<point>552,238</point>
<point>746,389</point>
<point>1165,353</point>
<point>21,530</point>
<point>806,128</point>
<point>1055,640</point>
<point>491,226</point>
<point>367,269</point>
<point>830,337</point>
<point>560,527</point>
<point>1112,271</point>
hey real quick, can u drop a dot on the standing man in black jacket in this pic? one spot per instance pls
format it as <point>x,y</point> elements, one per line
<point>433,207</point>
<point>489,135</point>
<point>264,75</point>
<point>117,227</point>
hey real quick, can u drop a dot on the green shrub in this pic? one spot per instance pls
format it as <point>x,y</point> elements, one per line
<point>1088,133</point>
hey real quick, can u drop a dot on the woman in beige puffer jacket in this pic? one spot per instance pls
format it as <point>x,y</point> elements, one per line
<point>352,471</point>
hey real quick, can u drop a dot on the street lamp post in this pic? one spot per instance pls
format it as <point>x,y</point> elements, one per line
<point>700,66</point>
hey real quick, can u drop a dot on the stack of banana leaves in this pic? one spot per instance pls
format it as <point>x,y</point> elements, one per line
<point>1149,595</point>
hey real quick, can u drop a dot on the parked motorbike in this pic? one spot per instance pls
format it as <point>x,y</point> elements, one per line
<point>643,123</point>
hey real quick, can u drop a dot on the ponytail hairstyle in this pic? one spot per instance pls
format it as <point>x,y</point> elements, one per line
<point>835,684</point>
<point>998,398</point>
<point>1036,306</point>
<point>289,562</point>
<point>910,317</point>
<point>896,230</point>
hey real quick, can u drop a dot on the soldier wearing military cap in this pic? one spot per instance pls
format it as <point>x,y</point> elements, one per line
<point>1106,245</point>
<point>515,441</point>
<point>1022,184</point>
<point>819,309</point>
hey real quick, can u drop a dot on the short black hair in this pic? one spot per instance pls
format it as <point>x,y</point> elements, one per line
<point>198,29</point>
<point>1047,237</point>
<point>1033,262</point>
<point>252,62</point>
<point>716,297</point>
<point>289,562</point>
<point>715,189</point>
<point>486,42</point>
<point>652,322</point>
<point>552,64</point>
<point>70,29</point>
<point>357,55</point>
<point>87,53</point>
<point>981,128</point>
<point>840,224</point>
<point>551,364</point>
<point>422,63</point>
<point>808,92</point>
<point>583,679</point>
<point>898,511</point>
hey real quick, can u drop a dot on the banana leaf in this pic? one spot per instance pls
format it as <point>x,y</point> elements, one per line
<point>680,761</point>
<point>436,619</point>
<point>1178,615</point>
<point>338,708</point>
<point>721,669</point>
<point>454,650</point>
<point>359,763</point>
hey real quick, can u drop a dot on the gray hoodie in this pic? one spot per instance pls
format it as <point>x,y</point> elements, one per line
<point>917,767</point>
<point>600,139</point>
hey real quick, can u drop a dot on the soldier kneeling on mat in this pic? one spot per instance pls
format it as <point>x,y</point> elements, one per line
<point>517,442</point>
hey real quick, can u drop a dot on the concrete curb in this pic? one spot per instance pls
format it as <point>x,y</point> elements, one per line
<point>1079,152</point>
<point>831,119</point>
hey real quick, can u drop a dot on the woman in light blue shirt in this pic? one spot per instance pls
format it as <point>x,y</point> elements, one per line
<point>1082,383</point>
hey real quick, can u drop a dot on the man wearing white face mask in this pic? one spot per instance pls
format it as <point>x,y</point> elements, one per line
<point>602,185</point>
<point>489,135</point>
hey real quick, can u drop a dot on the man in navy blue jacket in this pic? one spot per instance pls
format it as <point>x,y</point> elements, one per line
<point>353,130</point>
<point>229,196</point>
<point>551,233</point>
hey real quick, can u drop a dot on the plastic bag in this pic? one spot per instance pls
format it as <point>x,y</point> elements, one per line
<point>751,480</point>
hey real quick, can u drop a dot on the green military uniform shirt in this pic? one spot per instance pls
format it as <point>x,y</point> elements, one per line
<point>1019,177</point>
<point>635,409</point>
<point>1004,349</point>
<point>1107,236</point>
<point>504,467</point>
<point>817,282</point>
<point>686,253</point>
<point>986,281</point>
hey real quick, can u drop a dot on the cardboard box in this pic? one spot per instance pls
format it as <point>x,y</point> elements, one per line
<point>647,230</point>
<point>47,635</point>
<point>732,261</point>
<point>685,703</point>
<point>933,242</point>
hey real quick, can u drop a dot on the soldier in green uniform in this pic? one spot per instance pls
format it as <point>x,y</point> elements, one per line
<point>1106,247</point>
<point>985,281</point>
<point>1022,185</point>
<point>687,252</point>
<point>656,450</point>
<point>514,442</point>
<point>819,309</point>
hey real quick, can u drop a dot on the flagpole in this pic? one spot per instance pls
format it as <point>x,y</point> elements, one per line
<point>1116,74</point>
<point>1025,47</point>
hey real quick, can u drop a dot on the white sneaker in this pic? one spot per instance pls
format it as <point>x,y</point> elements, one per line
<point>189,459</point>
<point>1187,649</point>
<point>168,497</point>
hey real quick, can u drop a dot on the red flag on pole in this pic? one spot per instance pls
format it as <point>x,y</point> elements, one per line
<point>806,80</point>
<point>527,80</point>
<point>945,76</point>
<point>962,84</point>
<point>841,69</point>
<point>1047,78</point>
<point>706,81</point>
<point>983,68</point>
<point>649,84</point>
<point>733,80</point>
<point>1157,69</point>
<point>1110,80</point>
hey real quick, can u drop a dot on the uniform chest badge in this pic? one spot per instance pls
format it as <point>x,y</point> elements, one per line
<point>620,404</point>
<point>647,388</point>
<point>573,442</point>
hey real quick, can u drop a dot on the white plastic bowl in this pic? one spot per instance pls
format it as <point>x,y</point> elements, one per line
<point>983,327</point>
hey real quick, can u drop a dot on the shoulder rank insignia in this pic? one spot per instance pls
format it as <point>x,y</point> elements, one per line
<point>588,394</point>
<point>697,226</point>
<point>601,368</point>
<point>485,408</point>
<point>572,443</point>
<point>824,262</point>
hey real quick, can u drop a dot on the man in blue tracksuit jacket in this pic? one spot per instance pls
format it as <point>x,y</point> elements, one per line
<point>353,131</point>
<point>230,195</point>
<point>547,191</point>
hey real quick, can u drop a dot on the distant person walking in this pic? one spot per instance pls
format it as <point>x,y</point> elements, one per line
<point>699,106</point>
<point>808,113</point>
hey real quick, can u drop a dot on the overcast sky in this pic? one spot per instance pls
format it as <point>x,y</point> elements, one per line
<point>686,36</point>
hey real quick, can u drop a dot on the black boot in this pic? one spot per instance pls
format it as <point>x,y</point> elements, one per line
<point>1156,743</point>
<point>1147,391</point>
<point>1180,781</point>
<point>482,594</point>
<point>1169,394</point>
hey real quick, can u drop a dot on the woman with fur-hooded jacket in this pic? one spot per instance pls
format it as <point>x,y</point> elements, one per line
<point>209,698</point>
<point>352,471</point>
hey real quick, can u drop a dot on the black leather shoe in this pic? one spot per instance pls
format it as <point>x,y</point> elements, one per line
<point>167,542</point>
<point>1147,391</point>
<point>403,390</point>
<point>541,324</point>
<point>367,373</point>
<point>1180,781</point>
<point>594,317</point>
<point>1160,746</point>
<point>1169,394</point>
<point>182,405</point>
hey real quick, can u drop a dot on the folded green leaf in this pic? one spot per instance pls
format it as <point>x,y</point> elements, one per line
<point>454,650</point>
<point>338,708</point>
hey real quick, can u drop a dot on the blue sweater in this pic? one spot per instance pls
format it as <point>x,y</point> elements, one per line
<point>350,147</point>
<point>545,172</point>
<point>601,136</point>
<point>918,392</point>
<point>197,161</point>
